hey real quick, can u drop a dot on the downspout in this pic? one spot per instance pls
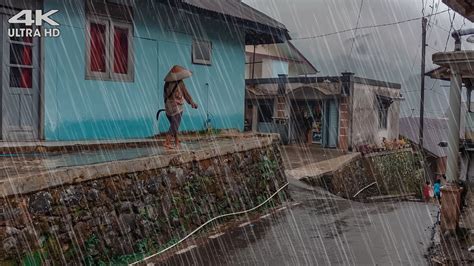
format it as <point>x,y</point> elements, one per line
<point>253,60</point>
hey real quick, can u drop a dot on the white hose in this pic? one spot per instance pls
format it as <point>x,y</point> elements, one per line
<point>364,188</point>
<point>206,223</point>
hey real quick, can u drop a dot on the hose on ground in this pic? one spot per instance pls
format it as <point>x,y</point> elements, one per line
<point>210,221</point>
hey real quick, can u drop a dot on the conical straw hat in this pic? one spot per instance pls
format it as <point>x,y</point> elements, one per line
<point>178,73</point>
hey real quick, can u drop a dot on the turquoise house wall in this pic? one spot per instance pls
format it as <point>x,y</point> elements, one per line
<point>79,109</point>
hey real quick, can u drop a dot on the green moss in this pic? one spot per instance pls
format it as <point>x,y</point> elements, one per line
<point>398,173</point>
<point>34,258</point>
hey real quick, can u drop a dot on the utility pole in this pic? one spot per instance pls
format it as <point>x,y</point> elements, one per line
<point>424,22</point>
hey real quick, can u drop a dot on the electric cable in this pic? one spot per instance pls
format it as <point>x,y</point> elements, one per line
<point>451,27</point>
<point>367,27</point>
<point>210,221</point>
<point>356,27</point>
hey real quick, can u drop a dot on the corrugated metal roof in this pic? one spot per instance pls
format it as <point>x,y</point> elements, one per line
<point>260,28</point>
<point>236,8</point>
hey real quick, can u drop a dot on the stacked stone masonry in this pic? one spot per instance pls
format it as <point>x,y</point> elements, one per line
<point>394,173</point>
<point>120,218</point>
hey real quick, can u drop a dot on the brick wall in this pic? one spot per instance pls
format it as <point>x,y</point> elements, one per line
<point>344,124</point>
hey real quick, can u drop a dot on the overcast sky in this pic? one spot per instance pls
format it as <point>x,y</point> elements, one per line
<point>391,53</point>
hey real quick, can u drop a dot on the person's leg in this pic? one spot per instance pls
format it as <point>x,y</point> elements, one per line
<point>169,135</point>
<point>177,119</point>
<point>167,143</point>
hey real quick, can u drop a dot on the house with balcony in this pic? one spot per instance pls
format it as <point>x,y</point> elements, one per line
<point>102,78</point>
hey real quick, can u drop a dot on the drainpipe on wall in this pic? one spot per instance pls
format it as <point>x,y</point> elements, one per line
<point>253,60</point>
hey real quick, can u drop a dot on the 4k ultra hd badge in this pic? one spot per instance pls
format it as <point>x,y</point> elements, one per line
<point>28,18</point>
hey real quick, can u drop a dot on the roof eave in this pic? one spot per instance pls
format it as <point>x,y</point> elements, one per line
<point>256,33</point>
<point>464,8</point>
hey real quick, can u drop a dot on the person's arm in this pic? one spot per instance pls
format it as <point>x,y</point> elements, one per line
<point>187,96</point>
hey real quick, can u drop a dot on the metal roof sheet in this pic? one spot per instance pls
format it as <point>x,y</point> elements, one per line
<point>260,28</point>
<point>236,8</point>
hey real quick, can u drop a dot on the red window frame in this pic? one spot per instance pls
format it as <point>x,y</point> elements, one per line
<point>118,59</point>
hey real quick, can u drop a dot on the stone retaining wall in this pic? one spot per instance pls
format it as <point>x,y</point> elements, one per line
<point>122,217</point>
<point>396,172</point>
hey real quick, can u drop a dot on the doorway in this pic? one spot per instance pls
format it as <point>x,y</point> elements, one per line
<point>20,86</point>
<point>331,124</point>
<point>307,118</point>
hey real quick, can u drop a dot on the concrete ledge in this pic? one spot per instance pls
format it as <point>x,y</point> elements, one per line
<point>316,170</point>
<point>32,182</point>
<point>382,153</point>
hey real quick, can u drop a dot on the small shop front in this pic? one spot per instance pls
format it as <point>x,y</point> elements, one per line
<point>315,122</point>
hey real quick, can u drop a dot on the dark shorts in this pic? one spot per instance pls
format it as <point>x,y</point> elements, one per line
<point>175,121</point>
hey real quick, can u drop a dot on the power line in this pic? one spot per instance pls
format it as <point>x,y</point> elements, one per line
<point>367,27</point>
<point>432,17</point>
<point>439,27</point>
<point>357,27</point>
<point>450,29</point>
<point>436,49</point>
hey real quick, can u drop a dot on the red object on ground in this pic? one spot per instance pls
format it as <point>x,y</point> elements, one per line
<point>426,192</point>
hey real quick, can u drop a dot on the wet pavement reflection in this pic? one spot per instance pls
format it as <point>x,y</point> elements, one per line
<point>322,230</point>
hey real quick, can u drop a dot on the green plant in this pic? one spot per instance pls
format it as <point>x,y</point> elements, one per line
<point>34,258</point>
<point>90,246</point>
<point>268,168</point>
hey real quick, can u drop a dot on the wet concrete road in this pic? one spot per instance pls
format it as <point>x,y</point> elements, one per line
<point>323,230</point>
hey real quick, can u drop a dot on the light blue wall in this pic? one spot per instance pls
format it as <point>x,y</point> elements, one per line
<point>77,109</point>
<point>279,67</point>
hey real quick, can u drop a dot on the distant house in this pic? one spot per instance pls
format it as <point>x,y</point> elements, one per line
<point>102,78</point>
<point>283,96</point>
<point>271,60</point>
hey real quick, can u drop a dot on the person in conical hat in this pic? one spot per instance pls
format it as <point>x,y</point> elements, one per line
<point>175,94</point>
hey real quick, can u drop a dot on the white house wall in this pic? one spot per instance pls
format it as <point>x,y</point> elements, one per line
<point>365,120</point>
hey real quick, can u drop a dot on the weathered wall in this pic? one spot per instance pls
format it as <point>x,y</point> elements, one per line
<point>124,217</point>
<point>76,108</point>
<point>365,124</point>
<point>398,172</point>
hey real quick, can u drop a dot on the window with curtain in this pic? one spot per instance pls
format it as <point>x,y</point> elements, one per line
<point>109,42</point>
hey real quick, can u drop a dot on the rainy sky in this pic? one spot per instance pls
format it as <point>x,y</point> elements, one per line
<point>391,53</point>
